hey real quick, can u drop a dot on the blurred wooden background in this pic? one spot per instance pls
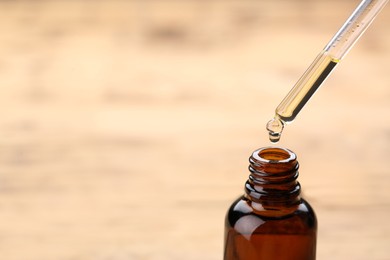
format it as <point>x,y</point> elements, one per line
<point>126,125</point>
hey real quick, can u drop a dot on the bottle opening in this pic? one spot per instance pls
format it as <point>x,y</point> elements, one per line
<point>274,155</point>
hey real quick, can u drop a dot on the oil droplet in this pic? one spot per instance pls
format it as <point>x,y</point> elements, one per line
<point>275,128</point>
<point>274,137</point>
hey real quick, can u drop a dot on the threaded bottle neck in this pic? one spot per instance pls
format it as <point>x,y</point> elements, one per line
<point>273,177</point>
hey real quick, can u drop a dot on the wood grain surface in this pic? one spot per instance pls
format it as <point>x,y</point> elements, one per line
<point>126,126</point>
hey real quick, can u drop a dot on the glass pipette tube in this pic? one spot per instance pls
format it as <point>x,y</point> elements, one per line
<point>323,65</point>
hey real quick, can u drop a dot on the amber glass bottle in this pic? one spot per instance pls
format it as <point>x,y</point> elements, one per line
<point>271,221</point>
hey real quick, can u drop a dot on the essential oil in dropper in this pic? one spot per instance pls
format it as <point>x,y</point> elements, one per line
<point>298,96</point>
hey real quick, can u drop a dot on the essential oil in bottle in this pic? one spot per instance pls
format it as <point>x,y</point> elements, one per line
<point>271,221</point>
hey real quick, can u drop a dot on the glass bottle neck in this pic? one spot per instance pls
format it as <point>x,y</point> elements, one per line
<point>272,183</point>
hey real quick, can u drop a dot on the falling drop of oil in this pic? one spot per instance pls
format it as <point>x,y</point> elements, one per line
<point>275,128</point>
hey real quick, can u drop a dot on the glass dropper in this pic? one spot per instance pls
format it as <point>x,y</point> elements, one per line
<point>323,65</point>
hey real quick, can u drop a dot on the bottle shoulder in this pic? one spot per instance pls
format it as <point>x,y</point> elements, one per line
<point>243,216</point>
